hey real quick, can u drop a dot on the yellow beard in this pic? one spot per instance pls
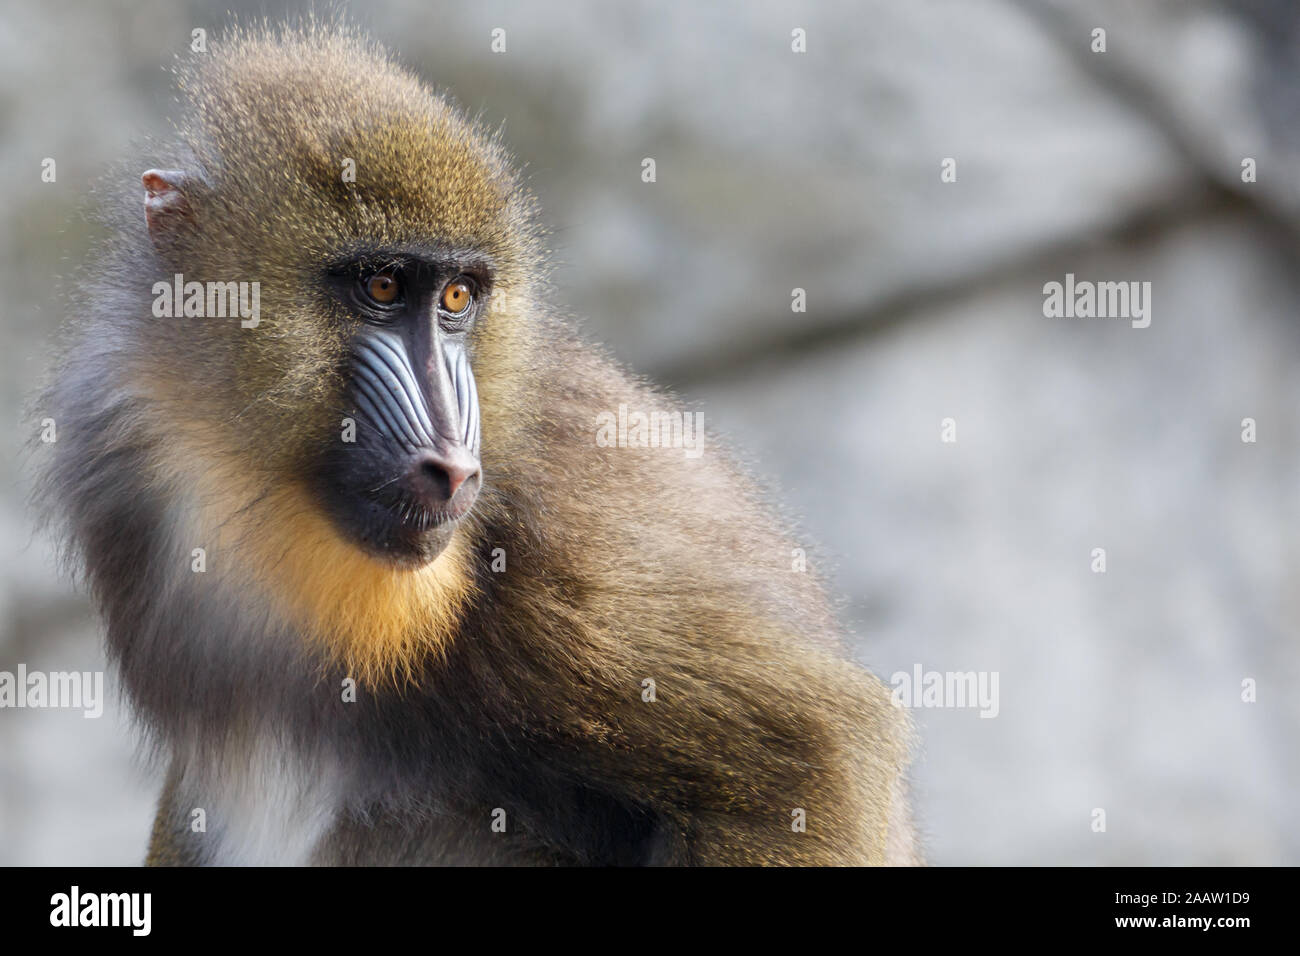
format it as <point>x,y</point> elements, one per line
<point>376,621</point>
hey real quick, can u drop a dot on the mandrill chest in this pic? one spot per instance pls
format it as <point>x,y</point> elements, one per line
<point>268,804</point>
<point>265,805</point>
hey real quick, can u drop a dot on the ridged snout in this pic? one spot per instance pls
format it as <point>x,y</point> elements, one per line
<point>431,421</point>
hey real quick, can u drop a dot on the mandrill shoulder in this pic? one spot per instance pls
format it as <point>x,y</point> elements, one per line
<point>714,697</point>
<point>648,507</point>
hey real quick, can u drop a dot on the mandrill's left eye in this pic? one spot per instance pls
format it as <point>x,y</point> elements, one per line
<point>458,295</point>
<point>383,288</point>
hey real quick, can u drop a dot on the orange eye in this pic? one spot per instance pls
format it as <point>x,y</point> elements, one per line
<point>383,287</point>
<point>458,295</point>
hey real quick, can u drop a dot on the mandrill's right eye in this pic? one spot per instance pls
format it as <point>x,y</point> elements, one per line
<point>384,289</point>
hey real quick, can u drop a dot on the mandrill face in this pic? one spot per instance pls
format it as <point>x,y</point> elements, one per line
<point>386,235</point>
<point>398,481</point>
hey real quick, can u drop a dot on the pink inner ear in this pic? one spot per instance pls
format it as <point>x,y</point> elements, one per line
<point>163,196</point>
<point>157,181</point>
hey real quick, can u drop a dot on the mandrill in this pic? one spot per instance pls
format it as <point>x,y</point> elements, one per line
<point>328,456</point>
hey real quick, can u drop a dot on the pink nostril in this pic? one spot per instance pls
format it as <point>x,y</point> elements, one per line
<point>443,475</point>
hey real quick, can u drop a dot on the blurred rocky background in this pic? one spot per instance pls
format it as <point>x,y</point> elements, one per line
<point>821,170</point>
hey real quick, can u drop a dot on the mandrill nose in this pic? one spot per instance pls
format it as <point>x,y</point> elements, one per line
<point>438,475</point>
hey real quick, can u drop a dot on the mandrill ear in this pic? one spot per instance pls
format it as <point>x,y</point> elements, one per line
<point>166,206</point>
